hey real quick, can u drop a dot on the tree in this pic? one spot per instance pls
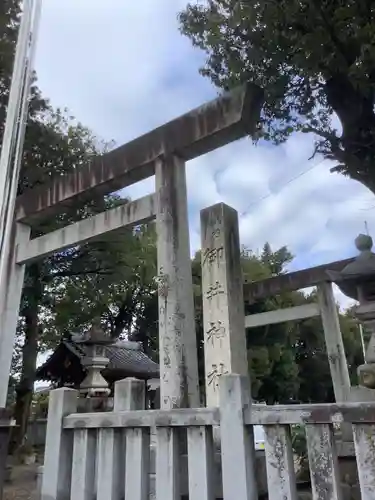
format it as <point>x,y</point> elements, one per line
<point>314,59</point>
<point>123,296</point>
<point>289,361</point>
<point>39,405</point>
<point>275,261</point>
<point>14,372</point>
<point>9,13</point>
<point>274,371</point>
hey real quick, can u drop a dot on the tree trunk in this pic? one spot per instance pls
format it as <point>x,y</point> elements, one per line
<point>32,296</point>
<point>355,109</point>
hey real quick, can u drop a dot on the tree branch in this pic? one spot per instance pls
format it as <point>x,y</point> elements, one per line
<point>328,136</point>
<point>69,274</point>
<point>343,51</point>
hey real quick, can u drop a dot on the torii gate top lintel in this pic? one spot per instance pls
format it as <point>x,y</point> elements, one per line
<point>295,280</point>
<point>219,122</point>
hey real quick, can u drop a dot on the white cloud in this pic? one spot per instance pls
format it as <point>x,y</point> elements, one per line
<point>123,68</point>
<point>108,60</point>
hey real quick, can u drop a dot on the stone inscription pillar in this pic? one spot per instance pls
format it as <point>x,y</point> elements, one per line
<point>223,303</point>
<point>177,338</point>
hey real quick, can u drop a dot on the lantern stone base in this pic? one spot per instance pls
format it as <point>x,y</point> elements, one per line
<point>360,394</point>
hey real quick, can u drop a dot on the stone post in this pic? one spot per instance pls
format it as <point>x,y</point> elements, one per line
<point>335,350</point>
<point>177,338</point>
<point>129,395</point>
<point>240,474</point>
<point>223,303</point>
<point>334,343</point>
<point>59,446</point>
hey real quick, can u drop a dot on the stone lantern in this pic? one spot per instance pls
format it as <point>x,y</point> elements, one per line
<point>357,281</point>
<point>94,343</point>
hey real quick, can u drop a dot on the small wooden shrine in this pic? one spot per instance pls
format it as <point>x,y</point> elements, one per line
<point>66,368</point>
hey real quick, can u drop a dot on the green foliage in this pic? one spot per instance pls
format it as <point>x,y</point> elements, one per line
<point>9,13</point>
<point>313,58</point>
<point>273,367</point>
<point>289,361</point>
<point>39,405</point>
<point>299,446</point>
<point>275,261</point>
<point>113,280</point>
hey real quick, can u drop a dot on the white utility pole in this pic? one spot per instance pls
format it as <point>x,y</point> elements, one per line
<point>13,111</point>
<point>10,160</point>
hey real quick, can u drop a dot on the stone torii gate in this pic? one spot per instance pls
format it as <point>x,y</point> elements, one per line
<point>162,152</point>
<point>325,308</point>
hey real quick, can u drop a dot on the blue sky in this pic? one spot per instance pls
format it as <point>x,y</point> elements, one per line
<point>123,68</point>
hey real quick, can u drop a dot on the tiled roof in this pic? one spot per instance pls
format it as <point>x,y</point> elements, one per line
<point>126,356</point>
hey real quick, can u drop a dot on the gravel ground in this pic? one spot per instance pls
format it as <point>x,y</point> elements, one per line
<point>22,484</point>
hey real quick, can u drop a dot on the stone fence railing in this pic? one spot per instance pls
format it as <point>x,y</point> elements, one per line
<point>107,455</point>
